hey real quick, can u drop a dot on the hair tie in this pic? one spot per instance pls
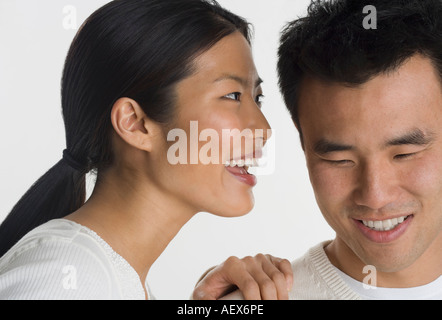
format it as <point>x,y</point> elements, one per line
<point>70,160</point>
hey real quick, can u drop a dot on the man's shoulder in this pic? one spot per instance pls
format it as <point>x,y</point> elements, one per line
<point>315,278</point>
<point>306,280</point>
<point>315,254</point>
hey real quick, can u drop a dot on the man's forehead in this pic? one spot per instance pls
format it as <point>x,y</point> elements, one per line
<point>414,82</point>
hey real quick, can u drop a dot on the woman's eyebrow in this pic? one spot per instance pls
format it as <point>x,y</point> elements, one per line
<point>244,82</point>
<point>415,137</point>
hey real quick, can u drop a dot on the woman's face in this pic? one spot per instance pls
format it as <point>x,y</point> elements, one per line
<point>215,106</point>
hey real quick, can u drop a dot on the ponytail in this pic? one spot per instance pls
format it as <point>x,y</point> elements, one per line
<point>60,191</point>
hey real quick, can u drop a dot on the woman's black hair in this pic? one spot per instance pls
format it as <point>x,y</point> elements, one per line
<point>332,44</point>
<point>128,48</point>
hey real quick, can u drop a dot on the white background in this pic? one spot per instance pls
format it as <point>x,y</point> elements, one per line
<point>285,221</point>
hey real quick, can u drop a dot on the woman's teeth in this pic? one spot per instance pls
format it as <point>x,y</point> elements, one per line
<point>384,225</point>
<point>242,163</point>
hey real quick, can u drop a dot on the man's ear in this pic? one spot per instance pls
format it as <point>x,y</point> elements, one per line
<point>131,124</point>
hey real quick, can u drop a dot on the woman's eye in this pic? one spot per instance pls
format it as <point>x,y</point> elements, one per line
<point>233,96</point>
<point>260,100</point>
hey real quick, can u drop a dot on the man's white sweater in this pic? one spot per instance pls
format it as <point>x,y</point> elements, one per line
<point>315,278</point>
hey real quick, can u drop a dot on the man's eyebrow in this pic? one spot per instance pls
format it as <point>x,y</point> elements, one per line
<point>325,146</point>
<point>415,137</point>
<point>244,82</point>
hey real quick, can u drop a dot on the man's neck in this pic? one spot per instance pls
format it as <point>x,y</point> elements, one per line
<point>427,268</point>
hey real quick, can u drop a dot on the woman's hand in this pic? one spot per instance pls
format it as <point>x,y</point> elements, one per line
<point>262,277</point>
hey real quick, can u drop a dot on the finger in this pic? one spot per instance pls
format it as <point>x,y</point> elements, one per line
<point>213,284</point>
<point>271,281</point>
<point>249,287</point>
<point>240,276</point>
<point>262,271</point>
<point>203,292</point>
<point>271,268</point>
<point>228,276</point>
<point>285,267</point>
<point>203,289</point>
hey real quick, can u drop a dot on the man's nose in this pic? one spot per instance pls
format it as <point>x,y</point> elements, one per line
<point>377,185</point>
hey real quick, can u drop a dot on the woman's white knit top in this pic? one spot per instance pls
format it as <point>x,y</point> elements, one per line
<point>64,260</point>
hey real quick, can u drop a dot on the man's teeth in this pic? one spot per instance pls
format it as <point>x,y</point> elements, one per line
<point>384,225</point>
<point>242,163</point>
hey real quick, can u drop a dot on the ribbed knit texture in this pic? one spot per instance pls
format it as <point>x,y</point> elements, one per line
<point>316,279</point>
<point>64,260</point>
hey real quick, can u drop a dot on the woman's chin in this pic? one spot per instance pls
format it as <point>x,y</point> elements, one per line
<point>236,208</point>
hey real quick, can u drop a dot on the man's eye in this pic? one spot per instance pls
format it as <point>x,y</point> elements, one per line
<point>404,156</point>
<point>340,162</point>
<point>233,96</point>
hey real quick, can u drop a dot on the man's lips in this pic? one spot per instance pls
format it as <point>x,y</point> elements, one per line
<point>384,231</point>
<point>384,224</point>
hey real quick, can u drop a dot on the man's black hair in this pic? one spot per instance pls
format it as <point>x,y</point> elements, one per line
<point>332,44</point>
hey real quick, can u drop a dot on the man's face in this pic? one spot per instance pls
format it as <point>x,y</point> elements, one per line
<point>374,154</point>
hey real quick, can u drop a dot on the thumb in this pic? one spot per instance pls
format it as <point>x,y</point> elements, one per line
<point>212,286</point>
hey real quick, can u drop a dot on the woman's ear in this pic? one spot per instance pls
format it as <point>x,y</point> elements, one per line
<point>131,124</point>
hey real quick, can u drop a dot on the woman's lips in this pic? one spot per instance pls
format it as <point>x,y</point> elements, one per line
<point>238,167</point>
<point>380,234</point>
<point>242,175</point>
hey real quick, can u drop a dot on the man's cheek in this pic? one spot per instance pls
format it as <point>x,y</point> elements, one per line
<point>424,178</point>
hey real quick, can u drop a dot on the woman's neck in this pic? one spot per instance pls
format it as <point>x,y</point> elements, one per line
<point>134,217</point>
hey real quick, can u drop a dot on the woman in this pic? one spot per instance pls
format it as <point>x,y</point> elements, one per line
<point>135,71</point>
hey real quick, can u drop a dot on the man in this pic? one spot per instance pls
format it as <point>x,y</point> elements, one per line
<point>366,99</point>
